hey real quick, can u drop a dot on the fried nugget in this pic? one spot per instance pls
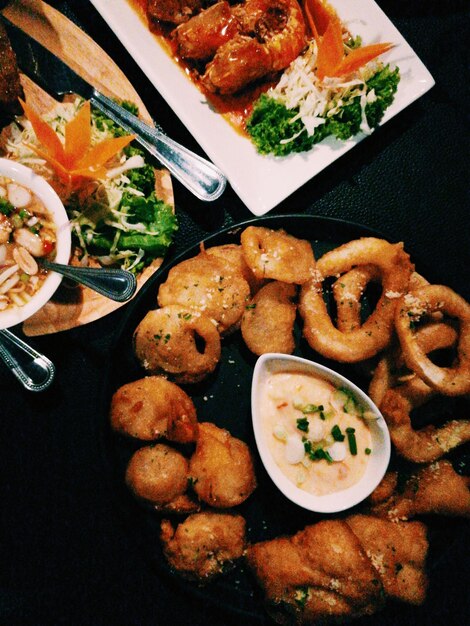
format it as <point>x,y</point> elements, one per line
<point>397,551</point>
<point>221,468</point>
<point>321,574</point>
<point>268,322</point>
<point>183,344</point>
<point>159,475</point>
<point>209,285</point>
<point>433,489</point>
<point>151,408</point>
<point>204,545</point>
<point>275,254</point>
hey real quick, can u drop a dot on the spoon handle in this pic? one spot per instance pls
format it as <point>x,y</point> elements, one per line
<point>199,175</point>
<point>34,370</point>
<point>116,284</point>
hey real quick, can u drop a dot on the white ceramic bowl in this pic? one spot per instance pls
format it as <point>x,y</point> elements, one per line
<point>25,176</point>
<point>378,461</point>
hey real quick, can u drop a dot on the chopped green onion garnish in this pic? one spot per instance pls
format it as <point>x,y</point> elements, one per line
<point>337,434</point>
<point>352,440</point>
<point>302,424</point>
<point>367,450</point>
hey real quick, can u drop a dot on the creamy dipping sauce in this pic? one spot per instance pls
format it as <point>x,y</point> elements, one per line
<point>316,432</point>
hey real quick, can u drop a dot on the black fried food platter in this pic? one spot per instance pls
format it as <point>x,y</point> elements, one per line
<point>224,399</point>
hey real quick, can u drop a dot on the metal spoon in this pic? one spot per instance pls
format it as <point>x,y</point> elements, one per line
<point>116,284</point>
<point>34,370</point>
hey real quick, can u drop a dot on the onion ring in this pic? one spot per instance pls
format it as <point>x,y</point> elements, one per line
<point>450,381</point>
<point>375,334</point>
<point>347,291</point>
<point>435,336</point>
<point>427,444</point>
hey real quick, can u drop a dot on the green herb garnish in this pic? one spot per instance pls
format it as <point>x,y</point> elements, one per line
<point>352,440</point>
<point>336,433</point>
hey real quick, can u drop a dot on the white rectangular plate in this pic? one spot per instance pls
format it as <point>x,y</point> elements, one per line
<point>260,181</point>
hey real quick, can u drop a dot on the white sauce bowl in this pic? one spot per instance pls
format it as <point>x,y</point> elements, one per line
<point>378,461</point>
<point>38,185</point>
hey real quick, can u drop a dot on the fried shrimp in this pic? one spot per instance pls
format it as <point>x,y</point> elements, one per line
<point>271,35</point>
<point>221,468</point>
<point>209,285</point>
<point>434,489</point>
<point>418,304</point>
<point>376,332</point>
<point>397,551</point>
<point>204,545</point>
<point>179,342</point>
<point>268,322</point>
<point>276,255</point>
<point>201,36</point>
<point>151,408</point>
<point>159,475</point>
<point>427,444</point>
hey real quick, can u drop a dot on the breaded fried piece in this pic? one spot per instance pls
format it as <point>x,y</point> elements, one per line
<point>209,285</point>
<point>268,321</point>
<point>397,551</point>
<point>275,254</point>
<point>321,574</point>
<point>434,489</point>
<point>221,468</point>
<point>204,545</point>
<point>151,408</point>
<point>159,475</point>
<point>183,344</point>
<point>233,253</point>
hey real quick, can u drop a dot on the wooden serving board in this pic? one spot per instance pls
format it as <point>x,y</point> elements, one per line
<point>72,305</point>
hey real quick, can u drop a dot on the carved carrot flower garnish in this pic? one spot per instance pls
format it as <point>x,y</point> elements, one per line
<point>328,33</point>
<point>75,158</point>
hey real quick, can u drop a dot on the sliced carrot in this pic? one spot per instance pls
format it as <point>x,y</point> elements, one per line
<point>360,56</point>
<point>45,133</point>
<point>330,50</point>
<point>103,151</point>
<point>78,135</point>
<point>319,14</point>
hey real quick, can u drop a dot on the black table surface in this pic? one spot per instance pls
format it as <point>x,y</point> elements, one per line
<point>66,555</point>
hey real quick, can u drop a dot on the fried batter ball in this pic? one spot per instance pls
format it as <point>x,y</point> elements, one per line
<point>376,332</point>
<point>233,253</point>
<point>183,344</point>
<point>398,552</point>
<point>151,408</point>
<point>159,475</point>
<point>275,254</point>
<point>433,489</point>
<point>204,545</point>
<point>210,285</point>
<point>268,322</point>
<point>321,574</point>
<point>221,468</point>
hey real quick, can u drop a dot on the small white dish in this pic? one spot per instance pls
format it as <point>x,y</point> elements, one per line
<point>261,182</point>
<point>378,462</point>
<point>38,185</point>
